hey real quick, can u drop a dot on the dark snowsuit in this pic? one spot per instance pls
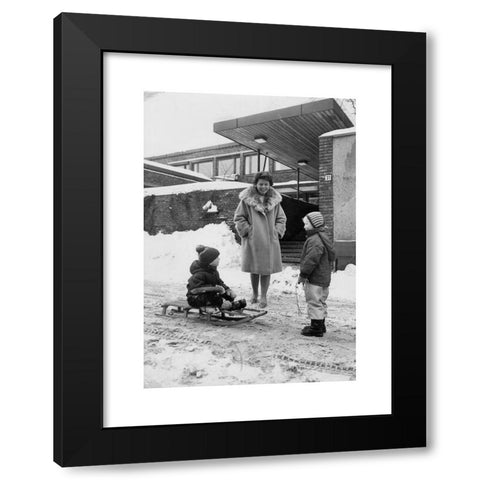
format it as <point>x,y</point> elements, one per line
<point>205,276</point>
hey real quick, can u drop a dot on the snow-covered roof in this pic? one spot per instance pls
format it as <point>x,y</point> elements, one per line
<point>195,187</point>
<point>169,168</point>
<point>339,132</point>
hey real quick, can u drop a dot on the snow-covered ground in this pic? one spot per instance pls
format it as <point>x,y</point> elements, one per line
<point>183,351</point>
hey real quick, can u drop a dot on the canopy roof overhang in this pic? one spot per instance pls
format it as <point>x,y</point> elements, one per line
<point>290,134</point>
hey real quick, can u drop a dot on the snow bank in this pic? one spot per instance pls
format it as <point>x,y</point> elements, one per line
<point>195,187</point>
<point>342,285</point>
<point>167,258</point>
<point>285,281</point>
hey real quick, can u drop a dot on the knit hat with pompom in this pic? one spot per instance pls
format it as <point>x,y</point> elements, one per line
<point>208,255</point>
<point>315,218</point>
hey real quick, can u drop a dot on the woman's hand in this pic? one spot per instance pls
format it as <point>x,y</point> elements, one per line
<point>247,233</point>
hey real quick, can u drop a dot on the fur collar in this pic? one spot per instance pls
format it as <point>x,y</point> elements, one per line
<point>252,198</point>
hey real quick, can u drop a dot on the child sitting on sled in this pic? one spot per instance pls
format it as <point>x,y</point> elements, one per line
<point>316,262</point>
<point>205,288</point>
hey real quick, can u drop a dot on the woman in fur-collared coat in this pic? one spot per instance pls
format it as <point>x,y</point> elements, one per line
<point>260,221</point>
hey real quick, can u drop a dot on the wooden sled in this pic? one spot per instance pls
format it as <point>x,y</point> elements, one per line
<point>213,315</point>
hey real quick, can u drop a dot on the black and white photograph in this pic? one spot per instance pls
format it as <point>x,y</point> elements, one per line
<point>249,239</point>
<point>175,352</point>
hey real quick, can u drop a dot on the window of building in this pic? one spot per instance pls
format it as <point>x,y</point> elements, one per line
<point>251,163</point>
<point>277,166</point>
<point>228,165</point>
<point>204,167</point>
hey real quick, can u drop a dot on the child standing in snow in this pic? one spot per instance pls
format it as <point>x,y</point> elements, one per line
<point>315,272</point>
<point>205,287</point>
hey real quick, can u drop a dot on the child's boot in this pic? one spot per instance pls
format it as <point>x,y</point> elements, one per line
<point>226,305</point>
<point>315,329</point>
<point>239,304</point>
<point>322,325</point>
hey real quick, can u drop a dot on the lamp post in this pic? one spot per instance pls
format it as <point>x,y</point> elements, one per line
<point>298,183</point>
<point>300,163</point>
<point>260,139</point>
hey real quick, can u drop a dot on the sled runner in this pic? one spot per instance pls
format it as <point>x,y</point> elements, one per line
<point>215,316</point>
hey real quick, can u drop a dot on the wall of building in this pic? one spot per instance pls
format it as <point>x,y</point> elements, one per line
<point>151,179</point>
<point>183,211</point>
<point>344,177</point>
<point>325,184</point>
<point>336,190</point>
<point>216,152</point>
<point>205,152</point>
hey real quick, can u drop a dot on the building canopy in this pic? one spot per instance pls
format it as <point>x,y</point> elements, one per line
<point>288,135</point>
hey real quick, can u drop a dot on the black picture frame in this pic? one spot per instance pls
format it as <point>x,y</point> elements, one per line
<point>79,43</point>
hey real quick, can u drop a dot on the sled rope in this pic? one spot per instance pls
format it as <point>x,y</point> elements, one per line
<point>298,303</point>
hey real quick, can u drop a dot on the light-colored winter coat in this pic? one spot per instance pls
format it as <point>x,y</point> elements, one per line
<point>260,221</point>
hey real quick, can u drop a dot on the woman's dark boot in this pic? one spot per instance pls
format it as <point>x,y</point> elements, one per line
<point>315,329</point>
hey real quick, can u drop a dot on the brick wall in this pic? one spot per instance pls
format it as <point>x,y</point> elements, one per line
<point>183,211</point>
<point>325,187</point>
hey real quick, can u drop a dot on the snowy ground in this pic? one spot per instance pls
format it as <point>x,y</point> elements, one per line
<point>183,351</point>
